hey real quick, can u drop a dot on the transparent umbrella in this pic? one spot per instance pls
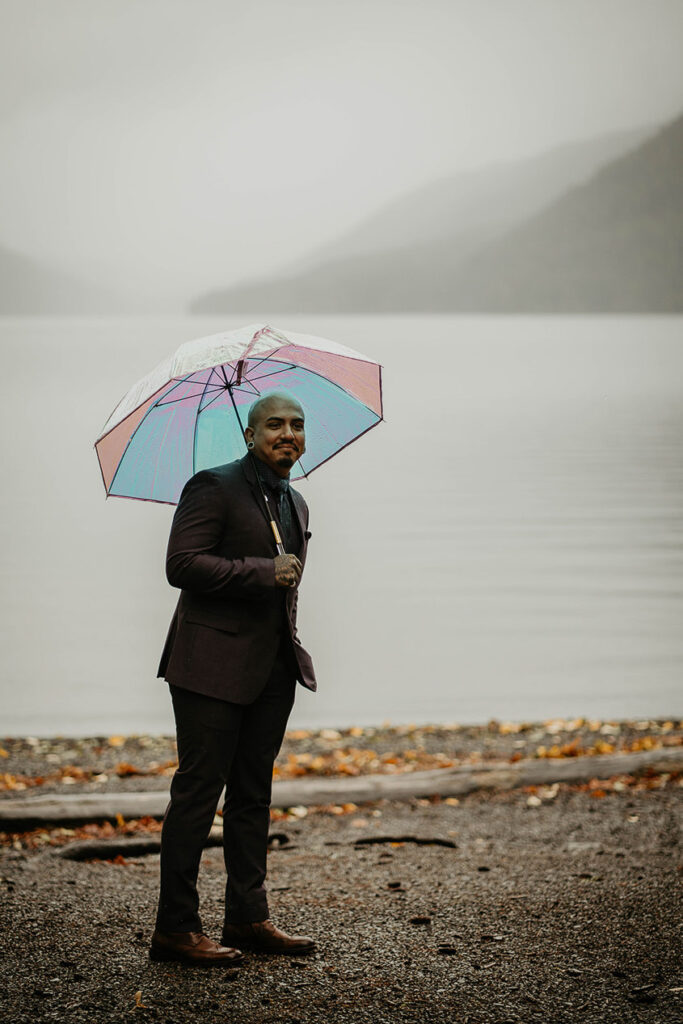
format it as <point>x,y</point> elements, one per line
<point>189,413</point>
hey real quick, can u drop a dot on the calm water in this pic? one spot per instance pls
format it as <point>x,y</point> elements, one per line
<point>508,544</point>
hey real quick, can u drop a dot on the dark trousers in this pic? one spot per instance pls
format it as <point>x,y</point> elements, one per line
<point>222,743</point>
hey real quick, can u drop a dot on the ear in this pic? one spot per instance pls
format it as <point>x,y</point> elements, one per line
<point>249,433</point>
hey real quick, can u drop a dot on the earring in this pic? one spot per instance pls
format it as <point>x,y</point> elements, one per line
<point>250,445</point>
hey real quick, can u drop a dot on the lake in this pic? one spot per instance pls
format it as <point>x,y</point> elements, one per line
<point>507,544</point>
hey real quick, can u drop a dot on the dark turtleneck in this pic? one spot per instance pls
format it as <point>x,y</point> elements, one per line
<point>280,499</point>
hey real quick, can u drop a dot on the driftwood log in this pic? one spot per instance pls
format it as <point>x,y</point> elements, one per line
<point>29,812</point>
<point>139,846</point>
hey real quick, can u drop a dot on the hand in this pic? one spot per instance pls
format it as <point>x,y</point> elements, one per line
<point>288,570</point>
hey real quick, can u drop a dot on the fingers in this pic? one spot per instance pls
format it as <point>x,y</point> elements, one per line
<point>294,564</point>
<point>288,570</point>
<point>296,569</point>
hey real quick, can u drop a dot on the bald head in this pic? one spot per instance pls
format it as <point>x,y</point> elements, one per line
<point>275,431</point>
<point>259,409</point>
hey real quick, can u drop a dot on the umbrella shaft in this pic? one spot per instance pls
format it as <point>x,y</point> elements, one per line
<point>278,540</point>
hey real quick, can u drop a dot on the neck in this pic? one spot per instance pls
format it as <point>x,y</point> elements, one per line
<point>280,471</point>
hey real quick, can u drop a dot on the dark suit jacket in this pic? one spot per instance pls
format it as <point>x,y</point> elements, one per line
<point>227,626</point>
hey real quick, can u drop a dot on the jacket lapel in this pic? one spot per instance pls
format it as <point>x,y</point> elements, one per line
<point>298,508</point>
<point>264,516</point>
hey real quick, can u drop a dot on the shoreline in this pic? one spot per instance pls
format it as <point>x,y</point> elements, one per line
<point>390,726</point>
<point>141,762</point>
<point>118,786</point>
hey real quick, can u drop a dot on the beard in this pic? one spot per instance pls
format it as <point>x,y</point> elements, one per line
<point>285,458</point>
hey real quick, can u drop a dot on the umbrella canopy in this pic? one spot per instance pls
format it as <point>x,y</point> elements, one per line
<point>189,412</point>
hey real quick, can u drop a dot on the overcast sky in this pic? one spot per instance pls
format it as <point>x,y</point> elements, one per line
<point>166,146</point>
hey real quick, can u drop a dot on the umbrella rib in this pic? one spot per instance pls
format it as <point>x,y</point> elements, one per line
<point>346,445</point>
<point>205,407</point>
<point>196,424</point>
<point>244,375</point>
<point>328,380</point>
<point>156,464</point>
<point>258,362</point>
<point>232,399</point>
<point>302,468</point>
<point>283,366</point>
<point>247,383</point>
<point>154,405</point>
<point>185,398</point>
<point>136,497</point>
<point>209,386</point>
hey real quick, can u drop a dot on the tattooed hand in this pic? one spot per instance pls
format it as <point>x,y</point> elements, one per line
<point>288,570</point>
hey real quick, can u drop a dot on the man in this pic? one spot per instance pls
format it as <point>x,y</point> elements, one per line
<point>232,660</point>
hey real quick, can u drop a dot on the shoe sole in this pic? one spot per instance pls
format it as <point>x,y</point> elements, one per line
<point>300,951</point>
<point>167,956</point>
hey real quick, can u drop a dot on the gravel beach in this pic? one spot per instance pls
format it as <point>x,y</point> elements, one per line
<point>557,905</point>
<point>62,764</point>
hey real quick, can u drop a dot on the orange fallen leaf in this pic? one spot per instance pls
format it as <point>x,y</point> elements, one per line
<point>74,771</point>
<point>505,728</point>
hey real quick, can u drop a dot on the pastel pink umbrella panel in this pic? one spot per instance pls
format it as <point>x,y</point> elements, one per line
<point>189,412</point>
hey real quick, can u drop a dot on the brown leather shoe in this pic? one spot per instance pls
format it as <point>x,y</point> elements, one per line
<point>193,948</point>
<point>264,937</point>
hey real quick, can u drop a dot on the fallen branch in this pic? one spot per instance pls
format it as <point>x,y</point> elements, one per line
<point>140,846</point>
<point>313,790</point>
<point>418,840</point>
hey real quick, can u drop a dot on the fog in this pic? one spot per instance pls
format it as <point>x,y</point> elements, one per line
<point>162,148</point>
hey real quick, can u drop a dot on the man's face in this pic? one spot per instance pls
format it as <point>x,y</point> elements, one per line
<point>278,435</point>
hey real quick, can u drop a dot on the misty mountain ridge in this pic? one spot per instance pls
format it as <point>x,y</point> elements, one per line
<point>439,248</point>
<point>31,288</point>
<point>481,201</point>
<point>594,227</point>
<point>612,245</point>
